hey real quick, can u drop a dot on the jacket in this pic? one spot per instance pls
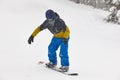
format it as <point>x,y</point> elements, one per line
<point>57,27</point>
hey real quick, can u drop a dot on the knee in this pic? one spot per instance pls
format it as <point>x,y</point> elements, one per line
<point>51,49</point>
<point>65,55</point>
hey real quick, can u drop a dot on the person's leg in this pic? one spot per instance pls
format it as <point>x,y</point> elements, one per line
<point>53,46</point>
<point>64,54</point>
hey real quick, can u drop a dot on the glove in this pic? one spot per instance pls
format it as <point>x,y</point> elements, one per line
<point>65,40</point>
<point>31,39</point>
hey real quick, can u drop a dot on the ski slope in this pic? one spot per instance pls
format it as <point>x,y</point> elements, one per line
<point>94,47</point>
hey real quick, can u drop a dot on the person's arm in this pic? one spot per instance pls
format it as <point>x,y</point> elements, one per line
<point>36,31</point>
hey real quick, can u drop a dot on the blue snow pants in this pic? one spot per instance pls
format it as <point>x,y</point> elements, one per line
<point>53,47</point>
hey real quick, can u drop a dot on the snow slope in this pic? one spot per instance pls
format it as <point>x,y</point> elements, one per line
<point>94,47</point>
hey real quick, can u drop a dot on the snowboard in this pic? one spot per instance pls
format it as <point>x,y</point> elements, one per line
<point>58,70</point>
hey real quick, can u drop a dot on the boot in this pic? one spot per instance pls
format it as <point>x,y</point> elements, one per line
<point>64,68</point>
<point>50,65</point>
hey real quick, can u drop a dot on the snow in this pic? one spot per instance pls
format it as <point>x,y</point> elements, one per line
<point>94,47</point>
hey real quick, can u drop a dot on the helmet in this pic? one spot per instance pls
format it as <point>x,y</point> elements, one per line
<point>50,14</point>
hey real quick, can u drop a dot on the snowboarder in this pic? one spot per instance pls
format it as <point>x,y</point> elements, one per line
<point>60,39</point>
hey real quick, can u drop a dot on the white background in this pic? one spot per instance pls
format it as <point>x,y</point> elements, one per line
<point>94,47</point>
